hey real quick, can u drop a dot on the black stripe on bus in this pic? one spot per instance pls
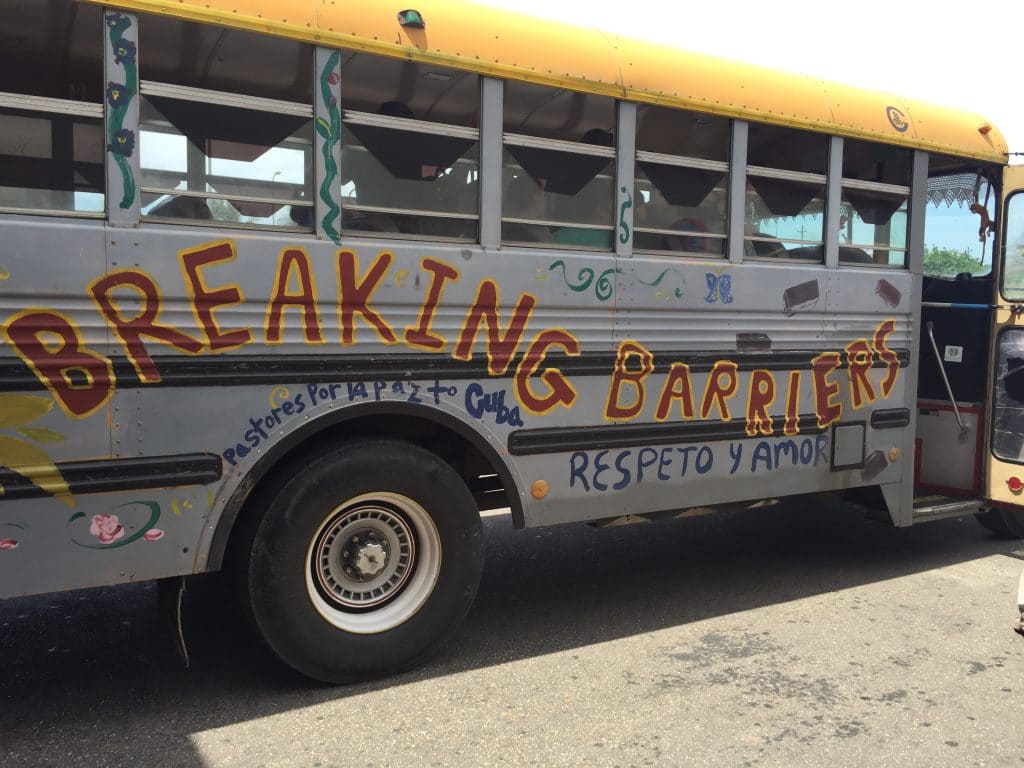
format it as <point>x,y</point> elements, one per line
<point>108,475</point>
<point>529,442</point>
<point>241,370</point>
<point>890,418</point>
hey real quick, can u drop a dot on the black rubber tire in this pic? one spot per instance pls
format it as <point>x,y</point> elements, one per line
<point>272,560</point>
<point>1005,523</point>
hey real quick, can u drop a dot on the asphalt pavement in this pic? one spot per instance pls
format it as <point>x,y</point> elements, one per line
<point>793,636</point>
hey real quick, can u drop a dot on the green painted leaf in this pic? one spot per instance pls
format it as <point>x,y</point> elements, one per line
<point>323,128</point>
<point>42,435</point>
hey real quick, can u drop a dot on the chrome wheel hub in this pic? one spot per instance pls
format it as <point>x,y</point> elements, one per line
<point>370,557</point>
<point>373,562</point>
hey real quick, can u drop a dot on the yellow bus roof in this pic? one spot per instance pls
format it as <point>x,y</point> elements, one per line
<point>510,45</point>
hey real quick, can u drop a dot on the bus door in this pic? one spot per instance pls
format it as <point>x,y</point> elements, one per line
<point>1004,471</point>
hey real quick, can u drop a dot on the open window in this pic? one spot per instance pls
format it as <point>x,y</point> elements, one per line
<point>873,209</point>
<point>558,168</point>
<point>681,182</point>
<point>785,194</point>
<point>51,108</point>
<point>410,149</point>
<point>226,123</point>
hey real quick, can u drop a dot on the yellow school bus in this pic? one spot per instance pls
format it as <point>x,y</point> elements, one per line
<point>296,289</point>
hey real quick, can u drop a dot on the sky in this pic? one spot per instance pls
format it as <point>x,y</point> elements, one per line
<point>963,54</point>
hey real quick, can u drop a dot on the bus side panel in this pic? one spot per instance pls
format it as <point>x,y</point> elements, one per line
<point>213,370</point>
<point>774,321</point>
<point>54,396</point>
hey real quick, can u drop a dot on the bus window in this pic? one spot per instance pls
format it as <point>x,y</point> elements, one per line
<point>1013,275</point>
<point>952,245</point>
<point>873,213</point>
<point>558,167</point>
<point>226,126</point>
<point>785,193</point>
<point>410,149</point>
<point>681,182</point>
<point>51,145</point>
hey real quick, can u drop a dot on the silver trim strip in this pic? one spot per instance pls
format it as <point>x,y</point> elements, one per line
<point>875,186</point>
<point>205,96</point>
<point>709,235</point>
<point>54,212</point>
<point>225,196</point>
<point>407,124</point>
<point>44,104</point>
<point>778,173</point>
<point>409,212</point>
<point>559,145</point>
<point>547,223</point>
<point>217,224</point>
<point>783,240</point>
<point>679,160</point>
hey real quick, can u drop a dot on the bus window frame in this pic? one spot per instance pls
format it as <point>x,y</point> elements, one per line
<point>1004,244</point>
<point>428,127</point>
<point>48,105</point>
<point>684,161</point>
<point>150,88</point>
<point>878,186</point>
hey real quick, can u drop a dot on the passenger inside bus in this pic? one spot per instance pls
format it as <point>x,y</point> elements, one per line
<point>599,204</point>
<point>398,167</point>
<point>525,197</point>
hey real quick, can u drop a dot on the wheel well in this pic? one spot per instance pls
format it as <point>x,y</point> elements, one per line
<point>476,462</point>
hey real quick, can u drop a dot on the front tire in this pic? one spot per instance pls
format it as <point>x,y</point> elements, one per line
<point>1005,523</point>
<point>364,562</point>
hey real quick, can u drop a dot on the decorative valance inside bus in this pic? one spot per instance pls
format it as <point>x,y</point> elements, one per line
<point>490,41</point>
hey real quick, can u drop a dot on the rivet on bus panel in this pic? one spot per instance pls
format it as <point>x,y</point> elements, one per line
<point>985,128</point>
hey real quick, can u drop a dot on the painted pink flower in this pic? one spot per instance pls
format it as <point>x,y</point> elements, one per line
<point>333,78</point>
<point>106,528</point>
<point>153,534</point>
<point>8,543</point>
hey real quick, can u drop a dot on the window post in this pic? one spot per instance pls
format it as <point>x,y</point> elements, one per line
<point>491,100</point>
<point>625,169</point>
<point>833,200</point>
<point>737,191</point>
<point>327,143</point>
<point>121,116</point>
<point>916,213</point>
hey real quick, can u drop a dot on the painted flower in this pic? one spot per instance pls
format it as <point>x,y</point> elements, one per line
<point>123,143</point>
<point>333,78</point>
<point>118,95</point>
<point>8,543</point>
<point>153,534</point>
<point>106,528</point>
<point>124,51</point>
<point>114,19</point>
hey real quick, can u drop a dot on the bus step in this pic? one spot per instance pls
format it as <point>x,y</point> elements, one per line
<point>936,507</point>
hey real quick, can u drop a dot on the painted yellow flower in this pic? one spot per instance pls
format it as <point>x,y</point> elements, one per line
<point>20,455</point>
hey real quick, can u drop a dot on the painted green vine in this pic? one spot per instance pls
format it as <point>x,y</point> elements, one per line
<point>330,132</point>
<point>121,140</point>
